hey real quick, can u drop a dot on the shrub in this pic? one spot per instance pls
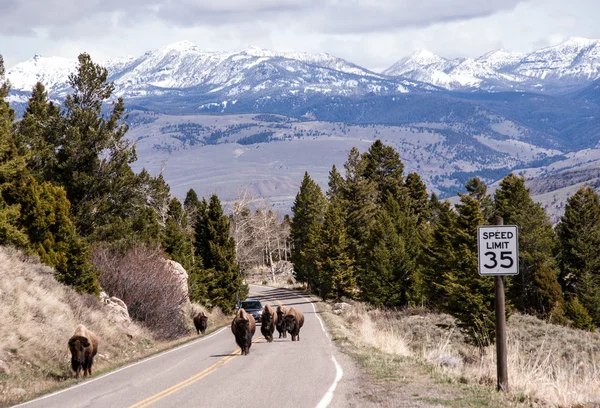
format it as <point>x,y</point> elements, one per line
<point>579,315</point>
<point>144,280</point>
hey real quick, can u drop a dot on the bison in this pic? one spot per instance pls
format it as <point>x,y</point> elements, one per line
<point>281,311</point>
<point>268,320</point>
<point>83,346</point>
<point>292,322</point>
<point>243,327</point>
<point>201,322</point>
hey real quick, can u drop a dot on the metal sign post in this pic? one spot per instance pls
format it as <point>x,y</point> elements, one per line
<point>498,255</point>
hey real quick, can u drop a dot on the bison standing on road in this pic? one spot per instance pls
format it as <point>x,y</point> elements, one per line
<point>83,346</point>
<point>293,321</point>
<point>243,327</point>
<point>201,322</point>
<point>279,324</point>
<point>268,320</point>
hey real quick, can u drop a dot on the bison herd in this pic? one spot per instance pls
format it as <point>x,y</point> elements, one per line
<point>243,325</point>
<point>83,344</point>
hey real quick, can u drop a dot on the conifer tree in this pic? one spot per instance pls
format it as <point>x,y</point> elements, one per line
<point>360,196</point>
<point>335,268</point>
<point>382,165</point>
<point>477,189</point>
<point>536,288</point>
<point>439,255</point>
<point>39,132</point>
<point>12,166</point>
<point>419,199</point>
<point>468,296</point>
<point>578,256</point>
<point>308,210</point>
<point>216,248</point>
<point>335,184</point>
<point>93,159</point>
<point>390,270</point>
<point>175,238</point>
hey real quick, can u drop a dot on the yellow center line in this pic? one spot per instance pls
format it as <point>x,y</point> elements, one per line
<point>197,377</point>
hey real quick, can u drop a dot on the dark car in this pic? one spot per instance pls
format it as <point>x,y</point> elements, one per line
<point>254,307</point>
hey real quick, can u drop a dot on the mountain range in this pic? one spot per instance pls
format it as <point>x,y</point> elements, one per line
<point>450,119</point>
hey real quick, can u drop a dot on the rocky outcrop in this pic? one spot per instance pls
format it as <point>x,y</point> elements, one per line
<point>117,309</point>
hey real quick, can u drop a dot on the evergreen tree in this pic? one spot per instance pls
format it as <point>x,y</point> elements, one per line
<point>477,189</point>
<point>536,288</point>
<point>468,296</point>
<point>335,184</point>
<point>439,255</point>
<point>360,196</point>
<point>39,132</point>
<point>382,165</point>
<point>12,166</point>
<point>216,248</point>
<point>578,256</point>
<point>308,210</point>
<point>419,199</point>
<point>335,268</point>
<point>391,269</point>
<point>92,159</point>
<point>175,238</point>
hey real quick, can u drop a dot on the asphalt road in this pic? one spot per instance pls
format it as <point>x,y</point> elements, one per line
<point>210,372</point>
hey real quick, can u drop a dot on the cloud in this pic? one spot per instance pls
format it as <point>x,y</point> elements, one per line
<point>328,16</point>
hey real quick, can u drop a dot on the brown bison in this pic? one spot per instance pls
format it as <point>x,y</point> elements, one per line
<point>243,327</point>
<point>268,320</point>
<point>83,346</point>
<point>281,311</point>
<point>201,322</point>
<point>292,322</point>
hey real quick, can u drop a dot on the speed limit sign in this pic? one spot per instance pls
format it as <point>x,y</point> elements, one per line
<point>498,250</point>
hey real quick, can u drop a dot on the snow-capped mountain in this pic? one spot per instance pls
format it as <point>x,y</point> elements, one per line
<point>185,67</point>
<point>574,62</point>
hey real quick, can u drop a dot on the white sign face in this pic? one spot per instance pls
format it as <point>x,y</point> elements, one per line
<point>498,250</point>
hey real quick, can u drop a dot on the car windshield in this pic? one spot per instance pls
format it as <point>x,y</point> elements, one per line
<point>251,304</point>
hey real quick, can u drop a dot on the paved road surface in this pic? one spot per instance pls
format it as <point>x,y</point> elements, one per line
<point>211,373</point>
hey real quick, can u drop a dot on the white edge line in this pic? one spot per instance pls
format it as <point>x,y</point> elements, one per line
<point>339,373</point>
<point>122,368</point>
<point>326,400</point>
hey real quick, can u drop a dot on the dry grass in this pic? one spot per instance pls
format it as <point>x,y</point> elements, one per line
<point>548,364</point>
<point>38,317</point>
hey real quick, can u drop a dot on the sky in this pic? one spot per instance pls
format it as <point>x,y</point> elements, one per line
<point>370,33</point>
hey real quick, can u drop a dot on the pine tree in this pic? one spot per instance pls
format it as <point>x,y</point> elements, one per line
<point>382,165</point>
<point>536,288</point>
<point>477,189</point>
<point>468,296</point>
<point>439,254</point>
<point>578,257</point>
<point>12,166</point>
<point>361,198</point>
<point>38,133</point>
<point>216,248</point>
<point>418,202</point>
<point>335,184</point>
<point>391,268</point>
<point>335,268</point>
<point>308,211</point>
<point>93,159</point>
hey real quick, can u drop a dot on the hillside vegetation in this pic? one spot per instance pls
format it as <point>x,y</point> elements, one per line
<point>39,316</point>
<point>548,364</point>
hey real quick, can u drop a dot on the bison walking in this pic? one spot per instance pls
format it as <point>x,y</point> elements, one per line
<point>83,346</point>
<point>268,320</point>
<point>293,321</point>
<point>243,327</point>
<point>279,324</point>
<point>201,322</point>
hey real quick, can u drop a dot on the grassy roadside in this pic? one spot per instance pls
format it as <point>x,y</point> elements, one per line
<point>398,377</point>
<point>38,317</point>
<point>39,383</point>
